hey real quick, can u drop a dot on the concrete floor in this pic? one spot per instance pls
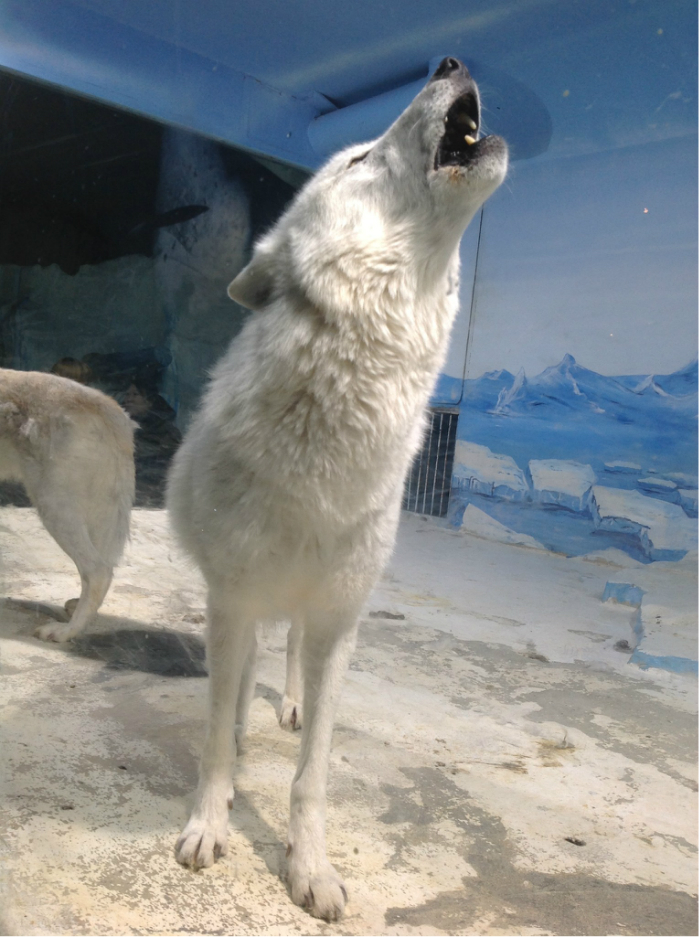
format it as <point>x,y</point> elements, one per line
<point>502,764</point>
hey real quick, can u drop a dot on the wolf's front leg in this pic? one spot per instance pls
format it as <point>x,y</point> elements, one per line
<point>230,646</point>
<point>328,643</point>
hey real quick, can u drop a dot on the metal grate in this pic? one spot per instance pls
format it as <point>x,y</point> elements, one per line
<point>429,479</point>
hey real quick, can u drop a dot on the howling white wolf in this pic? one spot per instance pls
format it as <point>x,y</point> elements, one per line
<point>72,446</point>
<point>287,489</point>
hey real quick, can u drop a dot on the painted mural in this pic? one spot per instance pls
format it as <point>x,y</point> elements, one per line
<point>577,395</point>
<point>578,462</point>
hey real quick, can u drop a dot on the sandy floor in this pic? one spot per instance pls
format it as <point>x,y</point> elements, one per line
<point>500,763</point>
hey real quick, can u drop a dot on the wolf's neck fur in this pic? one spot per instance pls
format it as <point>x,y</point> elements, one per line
<point>336,392</point>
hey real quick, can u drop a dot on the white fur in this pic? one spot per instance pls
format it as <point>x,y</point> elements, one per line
<point>72,447</point>
<point>287,488</point>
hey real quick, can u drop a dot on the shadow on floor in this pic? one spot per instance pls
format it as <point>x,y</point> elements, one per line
<point>166,653</point>
<point>162,652</point>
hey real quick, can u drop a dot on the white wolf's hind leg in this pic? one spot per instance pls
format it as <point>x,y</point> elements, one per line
<point>70,533</point>
<point>291,713</point>
<point>246,694</point>
<point>229,646</point>
<point>327,646</point>
<point>95,584</point>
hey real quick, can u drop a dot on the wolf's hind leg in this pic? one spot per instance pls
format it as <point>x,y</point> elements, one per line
<point>246,694</point>
<point>230,639</point>
<point>291,713</point>
<point>69,531</point>
<point>328,642</point>
<point>95,584</point>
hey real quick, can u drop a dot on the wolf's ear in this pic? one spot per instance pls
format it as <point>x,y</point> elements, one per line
<point>254,284</point>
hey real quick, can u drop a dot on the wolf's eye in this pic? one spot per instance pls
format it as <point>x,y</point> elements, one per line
<point>358,159</point>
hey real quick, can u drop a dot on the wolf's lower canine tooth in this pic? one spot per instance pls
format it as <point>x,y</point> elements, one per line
<point>469,140</point>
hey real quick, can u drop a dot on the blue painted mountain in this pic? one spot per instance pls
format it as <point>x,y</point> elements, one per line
<point>572,412</point>
<point>678,384</point>
<point>568,388</point>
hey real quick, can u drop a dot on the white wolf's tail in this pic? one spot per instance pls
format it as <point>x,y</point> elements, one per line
<point>107,509</point>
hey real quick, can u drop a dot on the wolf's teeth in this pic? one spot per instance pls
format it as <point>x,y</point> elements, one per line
<point>472,124</point>
<point>469,140</point>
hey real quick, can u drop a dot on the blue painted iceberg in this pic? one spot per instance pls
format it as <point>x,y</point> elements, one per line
<point>663,530</point>
<point>562,482</point>
<point>478,469</point>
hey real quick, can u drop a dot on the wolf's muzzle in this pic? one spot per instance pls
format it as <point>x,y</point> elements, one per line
<point>450,68</point>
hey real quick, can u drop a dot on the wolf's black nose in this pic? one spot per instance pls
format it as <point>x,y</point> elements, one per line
<point>448,67</point>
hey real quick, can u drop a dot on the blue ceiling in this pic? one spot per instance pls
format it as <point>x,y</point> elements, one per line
<point>558,77</point>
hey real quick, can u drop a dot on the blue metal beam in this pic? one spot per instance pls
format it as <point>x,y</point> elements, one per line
<point>72,47</point>
<point>60,44</point>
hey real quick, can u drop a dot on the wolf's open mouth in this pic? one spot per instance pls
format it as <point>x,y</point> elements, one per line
<point>458,146</point>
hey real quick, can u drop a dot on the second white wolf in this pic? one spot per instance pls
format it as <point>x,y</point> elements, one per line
<point>287,488</point>
<point>72,447</point>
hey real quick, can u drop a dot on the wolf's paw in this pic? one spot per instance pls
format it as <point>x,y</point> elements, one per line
<point>320,891</point>
<point>55,631</point>
<point>201,843</point>
<point>290,714</point>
